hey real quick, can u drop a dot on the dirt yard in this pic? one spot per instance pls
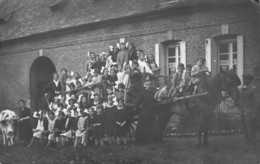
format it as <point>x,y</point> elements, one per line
<point>222,150</point>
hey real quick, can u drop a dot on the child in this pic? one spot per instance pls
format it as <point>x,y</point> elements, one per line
<point>120,120</point>
<point>53,105</point>
<point>96,77</point>
<point>110,91</point>
<point>91,115</point>
<point>112,78</point>
<point>120,74</point>
<point>126,76</point>
<point>70,80</point>
<point>197,75</point>
<point>109,59</point>
<point>122,57</point>
<point>120,94</point>
<point>83,104</point>
<point>136,83</point>
<point>90,61</point>
<point>41,127</point>
<point>154,67</point>
<point>78,80</point>
<point>60,107</point>
<point>96,101</point>
<point>81,133</point>
<point>89,80</point>
<point>176,80</point>
<point>72,107</point>
<point>105,77</point>
<point>186,78</point>
<point>59,127</point>
<point>69,128</point>
<point>98,126</point>
<point>51,122</point>
<point>98,65</point>
<point>143,66</point>
<point>110,120</point>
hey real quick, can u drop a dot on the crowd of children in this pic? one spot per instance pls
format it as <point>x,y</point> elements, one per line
<point>84,117</point>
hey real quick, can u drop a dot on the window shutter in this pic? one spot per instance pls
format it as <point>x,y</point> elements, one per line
<point>240,56</point>
<point>183,52</point>
<point>211,55</point>
<point>160,57</point>
<point>208,53</point>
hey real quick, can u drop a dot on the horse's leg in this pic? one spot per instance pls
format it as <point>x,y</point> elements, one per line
<point>164,116</point>
<point>199,136</point>
<point>206,122</point>
<point>199,129</point>
<point>205,137</point>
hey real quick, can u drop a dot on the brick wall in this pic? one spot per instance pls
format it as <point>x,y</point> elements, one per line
<point>69,49</point>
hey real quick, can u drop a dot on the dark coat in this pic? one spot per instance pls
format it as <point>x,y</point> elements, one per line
<point>25,126</point>
<point>148,126</point>
<point>72,124</point>
<point>45,123</point>
<point>98,130</point>
<point>59,126</point>
<point>132,55</point>
<point>121,116</point>
<point>50,88</point>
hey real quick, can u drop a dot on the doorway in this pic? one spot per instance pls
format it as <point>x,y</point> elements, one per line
<point>40,74</point>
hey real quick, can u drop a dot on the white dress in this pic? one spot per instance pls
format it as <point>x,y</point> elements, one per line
<point>39,129</point>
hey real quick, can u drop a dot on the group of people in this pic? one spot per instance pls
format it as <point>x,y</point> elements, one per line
<point>126,75</point>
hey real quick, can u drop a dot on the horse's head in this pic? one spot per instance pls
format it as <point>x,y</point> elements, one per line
<point>229,83</point>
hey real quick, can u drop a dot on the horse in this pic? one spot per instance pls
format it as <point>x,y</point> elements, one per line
<point>202,107</point>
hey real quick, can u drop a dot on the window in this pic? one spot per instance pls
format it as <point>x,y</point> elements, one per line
<point>169,54</point>
<point>172,57</point>
<point>227,54</point>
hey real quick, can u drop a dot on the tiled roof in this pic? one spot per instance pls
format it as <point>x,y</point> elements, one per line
<point>22,18</point>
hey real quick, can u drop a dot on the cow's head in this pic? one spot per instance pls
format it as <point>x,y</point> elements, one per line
<point>7,121</point>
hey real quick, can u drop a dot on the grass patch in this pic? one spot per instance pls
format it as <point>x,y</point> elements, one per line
<point>223,150</point>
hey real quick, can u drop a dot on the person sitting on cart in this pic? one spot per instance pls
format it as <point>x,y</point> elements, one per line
<point>186,79</point>
<point>199,73</point>
<point>176,80</point>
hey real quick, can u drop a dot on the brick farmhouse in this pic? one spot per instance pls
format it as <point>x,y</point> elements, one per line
<point>38,38</point>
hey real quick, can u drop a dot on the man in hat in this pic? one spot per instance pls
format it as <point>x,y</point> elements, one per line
<point>249,111</point>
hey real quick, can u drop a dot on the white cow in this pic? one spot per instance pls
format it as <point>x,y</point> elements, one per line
<point>7,120</point>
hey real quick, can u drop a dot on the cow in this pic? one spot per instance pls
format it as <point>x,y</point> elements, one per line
<point>8,120</point>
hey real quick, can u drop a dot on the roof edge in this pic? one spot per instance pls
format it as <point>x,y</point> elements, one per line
<point>159,10</point>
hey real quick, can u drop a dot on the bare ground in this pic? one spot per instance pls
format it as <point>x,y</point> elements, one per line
<point>222,150</point>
